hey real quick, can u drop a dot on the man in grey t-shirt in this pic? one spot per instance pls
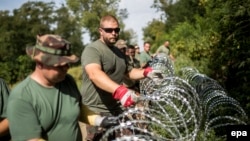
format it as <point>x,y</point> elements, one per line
<point>104,67</point>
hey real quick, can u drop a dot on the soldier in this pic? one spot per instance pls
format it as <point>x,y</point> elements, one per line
<point>45,106</point>
<point>104,66</point>
<point>165,48</point>
<point>146,55</point>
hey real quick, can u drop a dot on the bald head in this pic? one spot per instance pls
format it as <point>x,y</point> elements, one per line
<point>108,18</point>
<point>166,43</point>
<point>109,30</point>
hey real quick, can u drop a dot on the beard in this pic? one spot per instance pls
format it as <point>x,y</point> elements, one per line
<point>110,41</point>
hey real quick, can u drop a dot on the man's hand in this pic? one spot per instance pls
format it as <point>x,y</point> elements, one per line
<point>106,121</point>
<point>150,73</point>
<point>127,97</point>
<point>109,121</point>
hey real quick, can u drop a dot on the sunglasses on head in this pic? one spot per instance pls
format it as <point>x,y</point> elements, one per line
<point>110,30</point>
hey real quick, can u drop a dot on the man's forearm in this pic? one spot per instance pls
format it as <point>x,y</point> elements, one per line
<point>101,80</point>
<point>4,127</point>
<point>136,74</point>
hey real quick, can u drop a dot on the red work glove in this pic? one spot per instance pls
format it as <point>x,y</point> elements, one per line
<point>127,97</point>
<point>150,73</point>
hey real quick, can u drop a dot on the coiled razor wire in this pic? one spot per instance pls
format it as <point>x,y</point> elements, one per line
<point>220,110</point>
<point>177,108</point>
<point>163,63</point>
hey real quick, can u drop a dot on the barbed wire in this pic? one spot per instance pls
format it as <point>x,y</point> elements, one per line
<point>177,107</point>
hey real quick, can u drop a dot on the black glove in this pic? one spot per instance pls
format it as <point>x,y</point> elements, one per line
<point>108,122</point>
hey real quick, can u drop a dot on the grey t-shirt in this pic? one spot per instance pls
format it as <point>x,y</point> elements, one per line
<point>163,49</point>
<point>145,57</point>
<point>113,63</point>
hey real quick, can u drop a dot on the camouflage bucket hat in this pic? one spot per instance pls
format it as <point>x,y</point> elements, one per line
<point>121,44</point>
<point>52,50</point>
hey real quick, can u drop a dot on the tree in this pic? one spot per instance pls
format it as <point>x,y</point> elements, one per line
<point>154,33</point>
<point>231,55</point>
<point>22,27</point>
<point>68,27</point>
<point>214,37</point>
<point>19,30</point>
<point>178,11</point>
<point>89,13</point>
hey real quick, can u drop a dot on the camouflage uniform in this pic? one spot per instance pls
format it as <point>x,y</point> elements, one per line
<point>132,84</point>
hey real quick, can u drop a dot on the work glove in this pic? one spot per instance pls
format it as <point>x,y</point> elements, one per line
<point>152,74</point>
<point>109,121</point>
<point>126,96</point>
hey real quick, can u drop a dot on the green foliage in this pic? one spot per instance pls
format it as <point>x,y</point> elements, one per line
<point>68,27</point>
<point>155,31</point>
<point>76,73</point>
<point>89,12</point>
<point>209,136</point>
<point>19,30</point>
<point>24,67</point>
<point>231,54</point>
<point>178,11</point>
<point>214,40</point>
<point>191,46</point>
<point>212,36</point>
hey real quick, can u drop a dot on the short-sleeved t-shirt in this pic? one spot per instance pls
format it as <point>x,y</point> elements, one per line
<point>145,57</point>
<point>50,113</point>
<point>114,64</point>
<point>163,49</point>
